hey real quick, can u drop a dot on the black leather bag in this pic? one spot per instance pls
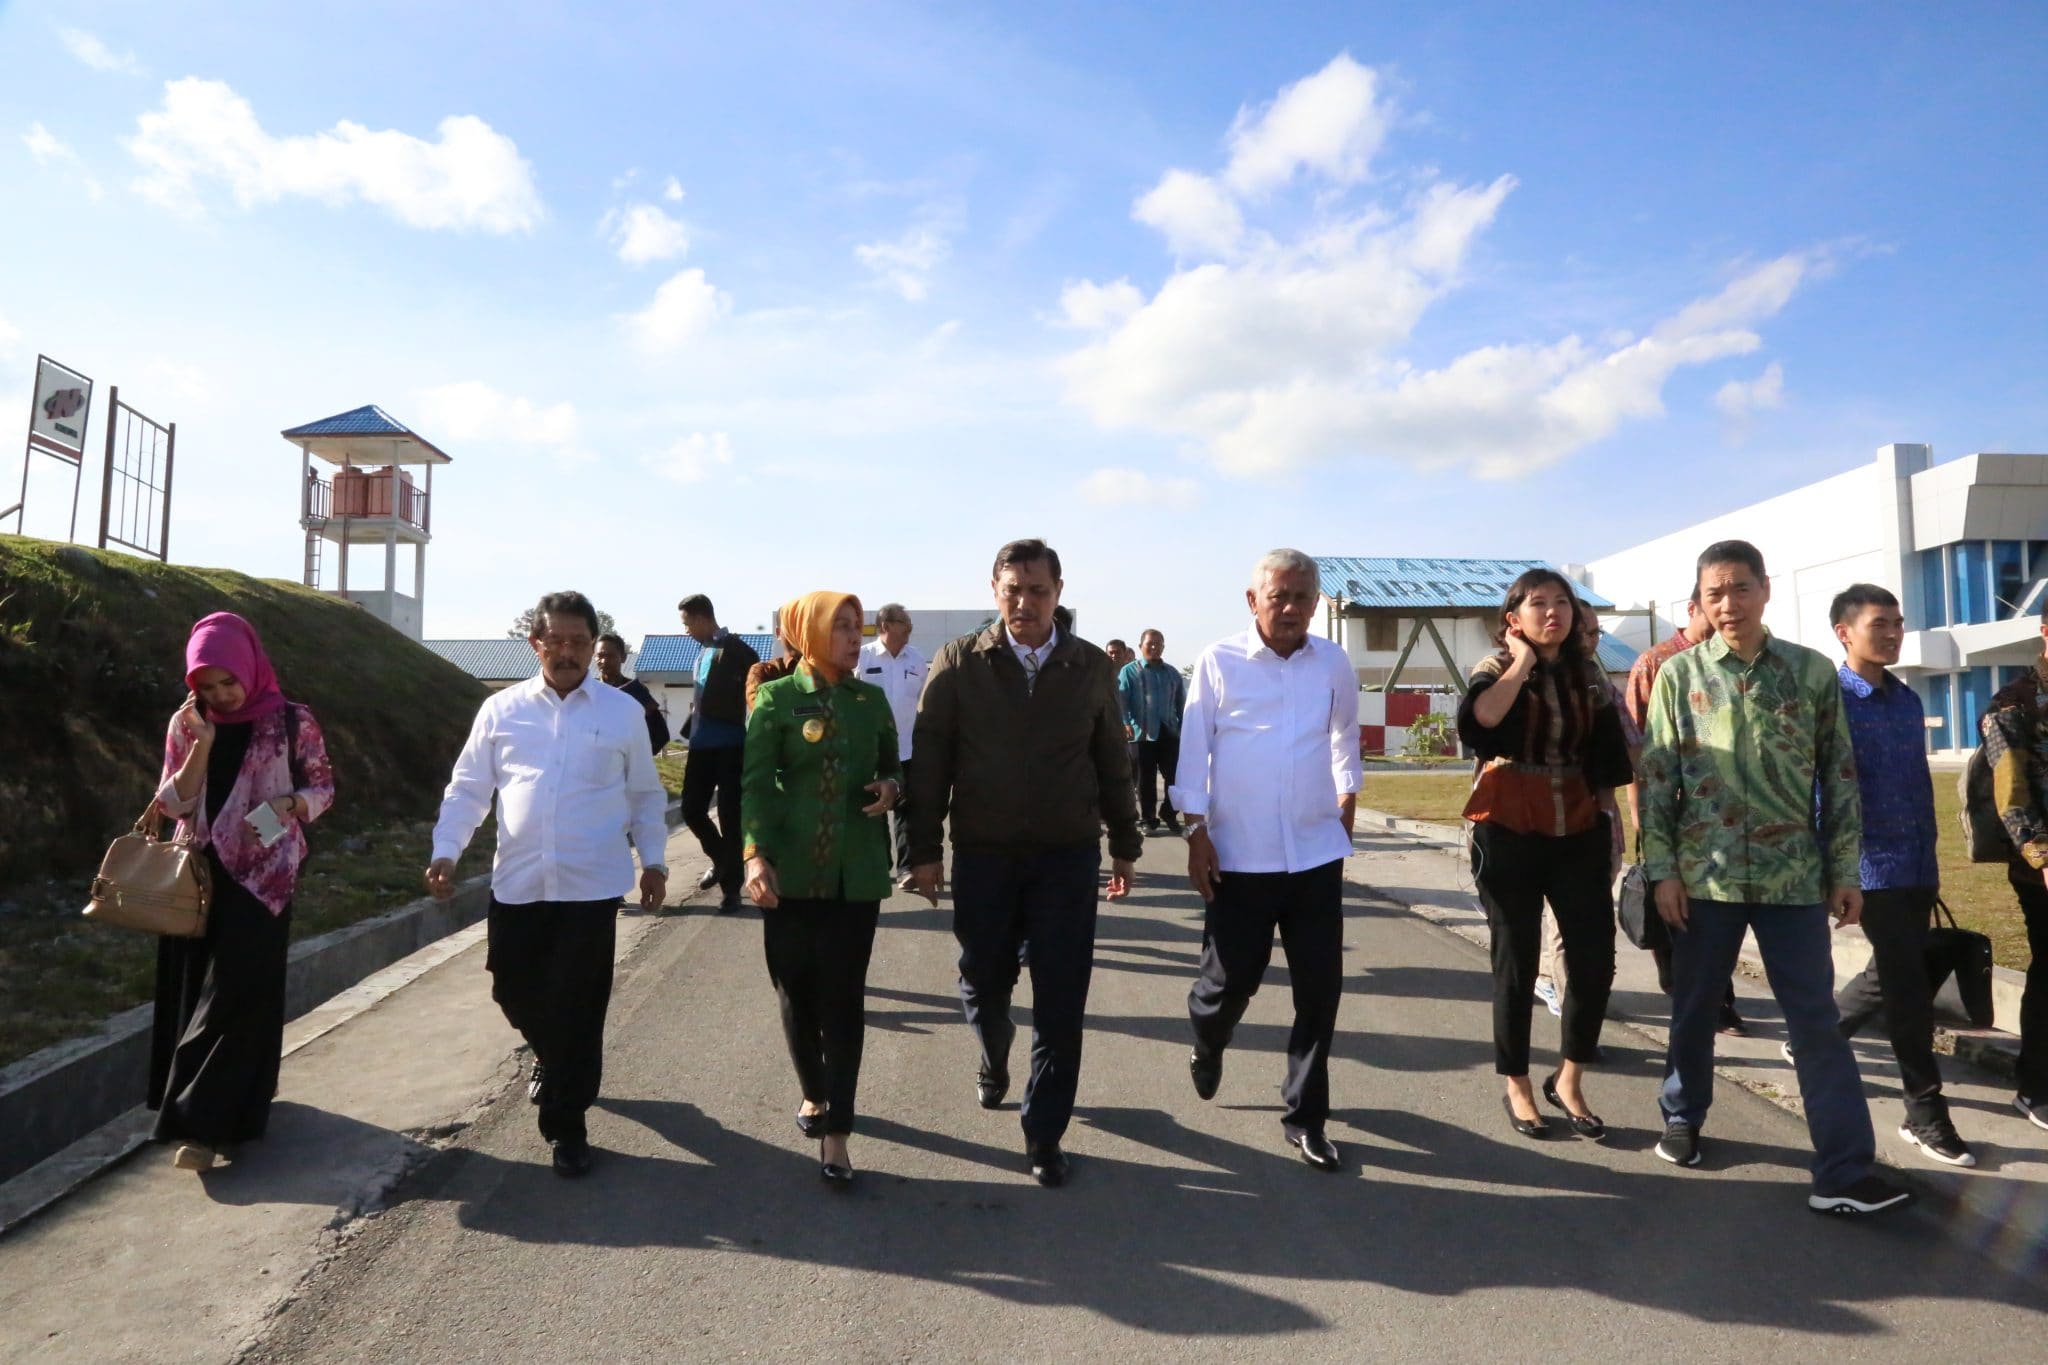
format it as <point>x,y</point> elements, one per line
<point>1635,905</point>
<point>1965,955</point>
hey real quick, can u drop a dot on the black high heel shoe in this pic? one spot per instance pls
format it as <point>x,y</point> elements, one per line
<point>1528,1128</point>
<point>1586,1126</point>
<point>810,1125</point>
<point>832,1173</point>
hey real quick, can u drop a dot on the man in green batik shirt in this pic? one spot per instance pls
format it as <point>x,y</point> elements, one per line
<point>1752,824</point>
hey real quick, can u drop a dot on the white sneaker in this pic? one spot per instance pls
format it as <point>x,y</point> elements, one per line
<point>1546,991</point>
<point>1785,1051</point>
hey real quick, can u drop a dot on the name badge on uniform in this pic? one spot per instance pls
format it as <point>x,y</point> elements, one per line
<point>816,708</point>
<point>814,730</point>
<point>876,669</point>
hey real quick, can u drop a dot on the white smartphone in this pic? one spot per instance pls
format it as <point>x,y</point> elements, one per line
<point>267,824</point>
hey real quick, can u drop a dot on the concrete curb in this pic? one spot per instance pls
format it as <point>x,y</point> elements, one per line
<point>52,1099</point>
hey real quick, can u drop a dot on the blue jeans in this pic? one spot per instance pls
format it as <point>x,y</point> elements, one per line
<point>1799,961</point>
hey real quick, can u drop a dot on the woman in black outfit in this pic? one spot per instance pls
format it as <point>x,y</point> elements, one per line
<point>235,746</point>
<point>1543,717</point>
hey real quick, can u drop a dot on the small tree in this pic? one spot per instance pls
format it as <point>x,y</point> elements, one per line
<point>522,625</point>
<point>1430,736</point>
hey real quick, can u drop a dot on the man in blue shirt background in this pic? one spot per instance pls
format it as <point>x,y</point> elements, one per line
<point>1900,875</point>
<point>1154,694</point>
<point>717,732</point>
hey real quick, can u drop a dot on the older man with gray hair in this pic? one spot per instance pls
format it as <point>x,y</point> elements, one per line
<point>1268,786</point>
<point>898,667</point>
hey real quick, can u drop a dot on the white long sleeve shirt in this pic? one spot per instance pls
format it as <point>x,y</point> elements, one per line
<point>902,677</point>
<point>571,776</point>
<point>1267,745</point>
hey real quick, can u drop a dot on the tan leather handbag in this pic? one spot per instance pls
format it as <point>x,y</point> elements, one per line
<point>151,885</point>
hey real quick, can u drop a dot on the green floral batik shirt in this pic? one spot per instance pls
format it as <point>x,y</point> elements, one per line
<point>1735,756</point>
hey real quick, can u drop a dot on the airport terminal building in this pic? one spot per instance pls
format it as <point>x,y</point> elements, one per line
<point>1964,544</point>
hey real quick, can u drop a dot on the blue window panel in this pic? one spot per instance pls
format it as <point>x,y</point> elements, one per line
<point>2037,559</point>
<point>1938,696</point>
<point>2008,577</point>
<point>1976,700</point>
<point>1933,587</point>
<point>1969,577</point>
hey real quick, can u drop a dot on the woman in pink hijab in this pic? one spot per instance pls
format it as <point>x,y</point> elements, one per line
<point>239,759</point>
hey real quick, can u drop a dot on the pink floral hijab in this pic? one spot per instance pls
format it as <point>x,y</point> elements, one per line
<point>224,640</point>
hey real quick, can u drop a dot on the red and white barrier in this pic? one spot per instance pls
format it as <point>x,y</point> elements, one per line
<point>1384,718</point>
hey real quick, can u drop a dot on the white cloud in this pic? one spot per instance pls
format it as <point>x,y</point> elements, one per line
<point>89,49</point>
<point>10,337</point>
<point>1739,398</point>
<point>472,412</point>
<point>906,264</point>
<point>186,382</point>
<point>1135,488</point>
<point>1096,306</point>
<point>1277,352</point>
<point>673,191</point>
<point>681,309</point>
<point>1332,123</point>
<point>47,149</point>
<point>643,234</point>
<point>471,177</point>
<point>1193,211</point>
<point>694,458</point>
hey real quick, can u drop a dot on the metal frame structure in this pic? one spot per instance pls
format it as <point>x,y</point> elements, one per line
<point>38,444</point>
<point>140,493</point>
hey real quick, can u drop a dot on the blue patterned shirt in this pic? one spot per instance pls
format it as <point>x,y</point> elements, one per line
<point>1888,732</point>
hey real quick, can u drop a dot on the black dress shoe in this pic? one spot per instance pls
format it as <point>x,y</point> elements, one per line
<point>708,880</point>
<point>729,903</point>
<point>1049,1164</point>
<point>1207,1069</point>
<point>571,1158</point>
<point>533,1084</point>
<point>990,1087</point>
<point>1586,1126</point>
<point>810,1125</point>
<point>1730,1023</point>
<point>834,1174</point>
<point>1317,1150</point>
<point>1528,1128</point>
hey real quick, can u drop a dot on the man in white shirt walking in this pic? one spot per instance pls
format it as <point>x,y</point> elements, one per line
<point>1268,787</point>
<point>897,666</point>
<point>566,758</point>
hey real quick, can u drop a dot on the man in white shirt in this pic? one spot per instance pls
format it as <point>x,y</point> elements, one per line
<point>566,758</point>
<point>1268,787</point>
<point>897,666</point>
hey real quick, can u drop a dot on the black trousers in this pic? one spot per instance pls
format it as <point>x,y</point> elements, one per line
<point>899,821</point>
<point>1001,901</point>
<point>1237,944</point>
<point>709,772</point>
<point>817,954</point>
<point>551,973</point>
<point>1157,759</point>
<point>1894,985</point>
<point>1515,873</point>
<point>218,1034</point>
<point>2033,1067</point>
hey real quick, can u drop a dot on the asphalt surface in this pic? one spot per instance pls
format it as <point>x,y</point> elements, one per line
<point>1189,1230</point>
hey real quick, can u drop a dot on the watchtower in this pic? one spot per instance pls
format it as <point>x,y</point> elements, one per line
<point>370,500</point>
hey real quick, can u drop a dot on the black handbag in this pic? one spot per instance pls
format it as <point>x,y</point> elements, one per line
<point>1964,954</point>
<point>1635,906</point>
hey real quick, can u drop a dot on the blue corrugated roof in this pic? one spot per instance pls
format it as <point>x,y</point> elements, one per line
<point>490,660</point>
<point>1429,582</point>
<point>368,420</point>
<point>1615,656</point>
<point>678,653</point>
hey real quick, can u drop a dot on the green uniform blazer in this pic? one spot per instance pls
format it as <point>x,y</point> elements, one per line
<point>811,752</point>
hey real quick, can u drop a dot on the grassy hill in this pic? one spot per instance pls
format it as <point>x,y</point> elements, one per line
<point>92,648</point>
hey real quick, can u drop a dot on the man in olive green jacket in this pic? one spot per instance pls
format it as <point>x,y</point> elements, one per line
<point>1020,739</point>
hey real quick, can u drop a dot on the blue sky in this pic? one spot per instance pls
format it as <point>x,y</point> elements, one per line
<point>754,300</point>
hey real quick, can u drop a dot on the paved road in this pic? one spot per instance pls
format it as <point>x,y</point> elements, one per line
<point>1188,1229</point>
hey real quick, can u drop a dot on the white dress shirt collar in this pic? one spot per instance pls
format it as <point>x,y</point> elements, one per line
<point>1041,654</point>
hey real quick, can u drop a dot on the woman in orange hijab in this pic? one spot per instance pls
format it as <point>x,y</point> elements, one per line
<point>820,775</point>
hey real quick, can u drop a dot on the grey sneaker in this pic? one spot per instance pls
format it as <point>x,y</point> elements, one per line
<point>1871,1194</point>
<point>1940,1141</point>
<point>1680,1144</point>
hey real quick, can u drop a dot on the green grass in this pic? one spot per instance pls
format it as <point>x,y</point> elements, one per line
<point>91,664</point>
<point>1977,892</point>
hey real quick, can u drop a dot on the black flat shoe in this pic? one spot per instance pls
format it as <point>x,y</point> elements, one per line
<point>1586,1126</point>
<point>810,1125</point>
<point>1528,1128</point>
<point>989,1089</point>
<point>832,1173</point>
<point>571,1159</point>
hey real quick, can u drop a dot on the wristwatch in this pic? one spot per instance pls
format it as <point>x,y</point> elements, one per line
<point>1193,827</point>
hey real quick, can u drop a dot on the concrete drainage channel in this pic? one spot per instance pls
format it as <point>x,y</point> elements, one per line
<point>70,1111</point>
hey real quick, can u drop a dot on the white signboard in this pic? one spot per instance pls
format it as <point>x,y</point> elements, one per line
<point>63,401</point>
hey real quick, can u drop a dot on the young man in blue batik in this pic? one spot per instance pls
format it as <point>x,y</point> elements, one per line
<point>1154,694</point>
<point>1900,875</point>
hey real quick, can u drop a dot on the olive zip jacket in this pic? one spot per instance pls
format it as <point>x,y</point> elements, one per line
<point>1020,768</point>
<point>811,753</point>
